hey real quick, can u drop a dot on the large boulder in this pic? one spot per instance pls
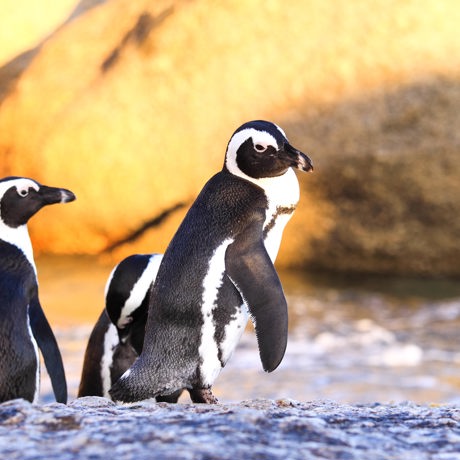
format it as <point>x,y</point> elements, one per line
<point>131,105</point>
<point>25,24</point>
<point>388,184</point>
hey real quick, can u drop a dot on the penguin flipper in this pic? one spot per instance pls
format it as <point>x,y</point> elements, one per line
<point>47,343</point>
<point>251,270</point>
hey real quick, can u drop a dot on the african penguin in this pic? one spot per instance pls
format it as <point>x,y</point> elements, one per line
<point>24,328</point>
<point>218,265</point>
<point>118,335</point>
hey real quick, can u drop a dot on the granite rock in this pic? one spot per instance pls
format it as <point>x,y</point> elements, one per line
<point>257,429</point>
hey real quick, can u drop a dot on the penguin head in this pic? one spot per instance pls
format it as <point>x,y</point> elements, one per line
<point>260,149</point>
<point>21,198</point>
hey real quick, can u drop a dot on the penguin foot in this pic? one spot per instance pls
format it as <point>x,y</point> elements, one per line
<point>203,396</point>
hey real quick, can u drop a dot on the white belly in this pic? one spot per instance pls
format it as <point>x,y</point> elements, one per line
<point>208,349</point>
<point>233,331</point>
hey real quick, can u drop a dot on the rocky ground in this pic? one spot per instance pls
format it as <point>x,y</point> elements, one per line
<point>258,429</point>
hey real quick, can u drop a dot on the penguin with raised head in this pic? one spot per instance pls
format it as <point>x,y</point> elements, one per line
<point>218,265</point>
<point>24,328</point>
<point>118,335</point>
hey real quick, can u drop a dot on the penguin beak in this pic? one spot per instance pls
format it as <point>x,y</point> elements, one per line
<point>298,159</point>
<point>52,195</point>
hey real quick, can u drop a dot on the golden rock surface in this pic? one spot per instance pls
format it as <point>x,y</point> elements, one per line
<point>131,104</point>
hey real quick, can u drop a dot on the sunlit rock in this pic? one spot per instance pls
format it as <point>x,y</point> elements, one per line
<point>131,105</point>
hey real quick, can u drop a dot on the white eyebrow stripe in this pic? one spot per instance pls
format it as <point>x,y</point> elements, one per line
<point>257,136</point>
<point>20,184</point>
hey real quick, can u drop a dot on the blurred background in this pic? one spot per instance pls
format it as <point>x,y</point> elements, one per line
<point>130,104</point>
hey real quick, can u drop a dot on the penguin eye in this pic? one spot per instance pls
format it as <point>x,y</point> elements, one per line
<point>23,192</point>
<point>260,147</point>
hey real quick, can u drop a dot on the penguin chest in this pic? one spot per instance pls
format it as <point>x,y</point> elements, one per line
<point>274,226</point>
<point>282,195</point>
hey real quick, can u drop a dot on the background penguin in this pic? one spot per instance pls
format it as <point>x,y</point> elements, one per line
<point>117,338</point>
<point>220,261</point>
<point>23,324</point>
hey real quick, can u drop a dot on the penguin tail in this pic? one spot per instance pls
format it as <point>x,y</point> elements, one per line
<point>131,387</point>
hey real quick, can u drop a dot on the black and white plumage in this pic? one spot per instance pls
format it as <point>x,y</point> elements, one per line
<point>24,328</point>
<point>218,266</point>
<point>117,338</point>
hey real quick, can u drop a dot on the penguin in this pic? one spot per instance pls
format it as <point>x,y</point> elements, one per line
<point>118,335</point>
<point>24,329</point>
<point>218,268</point>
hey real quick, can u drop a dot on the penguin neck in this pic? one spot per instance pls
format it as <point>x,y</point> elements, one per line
<point>20,238</point>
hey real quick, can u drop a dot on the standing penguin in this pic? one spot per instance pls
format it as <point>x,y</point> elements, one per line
<point>117,338</point>
<point>23,324</point>
<point>218,265</point>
